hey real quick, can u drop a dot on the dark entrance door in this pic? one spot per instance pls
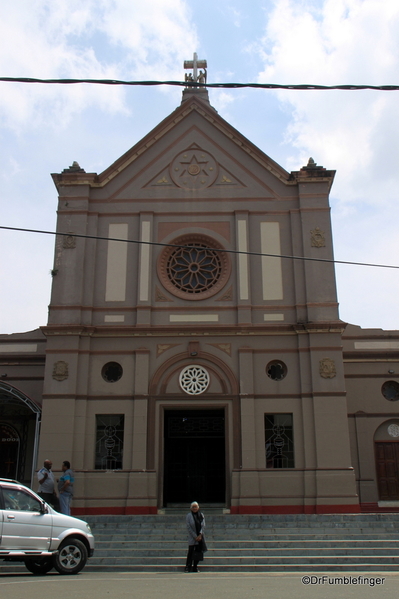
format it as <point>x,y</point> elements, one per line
<point>9,451</point>
<point>387,461</point>
<point>194,456</point>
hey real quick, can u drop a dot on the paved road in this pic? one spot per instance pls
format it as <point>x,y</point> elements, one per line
<point>179,585</point>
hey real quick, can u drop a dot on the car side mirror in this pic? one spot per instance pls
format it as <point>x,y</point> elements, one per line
<point>44,509</point>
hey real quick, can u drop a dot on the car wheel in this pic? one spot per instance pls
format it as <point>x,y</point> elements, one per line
<point>71,557</point>
<point>40,566</point>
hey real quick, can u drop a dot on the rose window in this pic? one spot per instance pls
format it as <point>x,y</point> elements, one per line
<point>196,270</point>
<point>194,380</point>
<point>393,430</point>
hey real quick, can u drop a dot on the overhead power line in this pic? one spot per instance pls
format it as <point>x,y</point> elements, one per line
<point>157,243</point>
<point>302,86</point>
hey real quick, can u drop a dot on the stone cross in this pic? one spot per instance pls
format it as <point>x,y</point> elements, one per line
<point>196,64</point>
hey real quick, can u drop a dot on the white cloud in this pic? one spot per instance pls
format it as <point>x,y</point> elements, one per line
<point>58,39</point>
<point>235,15</point>
<point>341,42</point>
<point>11,168</point>
<point>222,99</point>
<point>332,42</point>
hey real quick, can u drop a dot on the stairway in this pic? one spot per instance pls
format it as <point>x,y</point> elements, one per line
<point>264,543</point>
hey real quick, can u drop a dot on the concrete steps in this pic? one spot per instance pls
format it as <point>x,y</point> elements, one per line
<point>294,543</point>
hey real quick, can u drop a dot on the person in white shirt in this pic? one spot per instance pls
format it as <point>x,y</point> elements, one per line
<point>46,480</point>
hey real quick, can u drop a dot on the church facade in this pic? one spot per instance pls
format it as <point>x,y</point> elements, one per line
<point>194,349</point>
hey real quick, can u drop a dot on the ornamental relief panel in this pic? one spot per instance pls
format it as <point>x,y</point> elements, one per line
<point>327,368</point>
<point>318,239</point>
<point>195,168</point>
<point>60,371</point>
<point>163,347</point>
<point>69,242</point>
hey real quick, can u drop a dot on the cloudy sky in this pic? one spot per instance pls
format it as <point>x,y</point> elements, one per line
<point>44,128</point>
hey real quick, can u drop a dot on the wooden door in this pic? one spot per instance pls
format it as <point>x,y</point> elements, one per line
<point>387,463</point>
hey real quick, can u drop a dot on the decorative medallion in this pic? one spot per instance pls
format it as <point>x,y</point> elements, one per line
<point>194,169</point>
<point>318,239</point>
<point>194,379</point>
<point>327,368</point>
<point>69,242</point>
<point>195,270</point>
<point>393,430</point>
<point>60,371</point>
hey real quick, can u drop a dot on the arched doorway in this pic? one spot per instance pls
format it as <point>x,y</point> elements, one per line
<point>386,445</point>
<point>193,420</point>
<point>19,434</point>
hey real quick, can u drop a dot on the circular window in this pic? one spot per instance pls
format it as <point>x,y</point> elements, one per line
<point>390,390</point>
<point>112,372</point>
<point>194,380</point>
<point>393,430</point>
<point>276,370</point>
<point>195,270</point>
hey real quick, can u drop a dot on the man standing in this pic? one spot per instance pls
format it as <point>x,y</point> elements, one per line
<point>46,480</point>
<point>65,488</point>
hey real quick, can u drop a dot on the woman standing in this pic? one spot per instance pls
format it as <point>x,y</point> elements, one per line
<point>195,522</point>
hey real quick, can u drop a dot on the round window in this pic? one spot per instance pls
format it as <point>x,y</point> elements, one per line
<point>393,430</point>
<point>276,370</point>
<point>390,390</point>
<point>195,270</point>
<point>112,372</point>
<point>194,379</point>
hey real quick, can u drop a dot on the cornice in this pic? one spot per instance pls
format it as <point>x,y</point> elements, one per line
<point>200,330</point>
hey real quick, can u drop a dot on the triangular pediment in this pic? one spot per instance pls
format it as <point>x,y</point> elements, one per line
<point>193,150</point>
<point>196,155</point>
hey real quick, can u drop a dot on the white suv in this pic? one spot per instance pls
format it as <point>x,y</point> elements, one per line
<point>32,532</point>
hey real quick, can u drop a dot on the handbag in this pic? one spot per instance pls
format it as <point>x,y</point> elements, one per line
<point>199,550</point>
<point>198,554</point>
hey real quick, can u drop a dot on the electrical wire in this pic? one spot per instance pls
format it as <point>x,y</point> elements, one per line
<point>194,84</point>
<point>157,243</point>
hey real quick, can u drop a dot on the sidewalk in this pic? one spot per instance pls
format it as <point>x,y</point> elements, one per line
<point>121,585</point>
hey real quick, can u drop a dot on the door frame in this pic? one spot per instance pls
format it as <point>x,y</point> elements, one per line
<point>170,407</point>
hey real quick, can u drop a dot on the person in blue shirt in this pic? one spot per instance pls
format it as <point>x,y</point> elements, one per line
<point>65,488</point>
